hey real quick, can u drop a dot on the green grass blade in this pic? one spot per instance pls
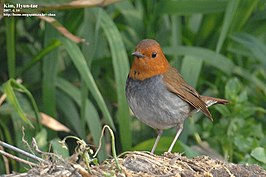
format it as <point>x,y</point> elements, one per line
<point>49,73</point>
<point>81,65</point>
<point>163,145</point>
<point>176,38</point>
<point>71,114</point>
<point>39,57</point>
<point>243,14</point>
<point>90,31</point>
<point>131,14</point>
<point>256,81</point>
<point>121,69</point>
<point>217,60</point>
<point>190,69</point>
<point>253,44</point>
<point>58,149</point>
<point>11,97</point>
<point>84,95</point>
<point>191,7</point>
<point>10,43</point>
<point>90,113</point>
<point>228,17</point>
<point>75,94</point>
<point>9,87</point>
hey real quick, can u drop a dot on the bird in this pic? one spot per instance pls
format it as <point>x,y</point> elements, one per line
<point>158,95</point>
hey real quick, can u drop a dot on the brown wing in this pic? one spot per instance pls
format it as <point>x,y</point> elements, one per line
<point>176,84</point>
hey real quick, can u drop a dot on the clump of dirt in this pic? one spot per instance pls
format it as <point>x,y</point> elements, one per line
<point>174,164</point>
<point>54,167</point>
<point>135,164</point>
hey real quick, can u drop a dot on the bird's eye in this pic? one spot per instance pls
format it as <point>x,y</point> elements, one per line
<point>154,54</point>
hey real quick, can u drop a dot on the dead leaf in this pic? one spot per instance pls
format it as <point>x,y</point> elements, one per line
<point>53,124</point>
<point>61,29</point>
<point>81,170</point>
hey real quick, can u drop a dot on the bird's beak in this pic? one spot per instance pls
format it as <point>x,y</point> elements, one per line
<point>138,54</point>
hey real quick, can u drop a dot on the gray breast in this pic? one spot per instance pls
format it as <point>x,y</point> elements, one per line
<point>154,105</point>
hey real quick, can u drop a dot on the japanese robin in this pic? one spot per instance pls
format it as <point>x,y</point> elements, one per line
<point>158,95</point>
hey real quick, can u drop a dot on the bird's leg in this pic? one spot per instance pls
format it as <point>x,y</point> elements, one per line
<point>160,132</point>
<point>179,130</point>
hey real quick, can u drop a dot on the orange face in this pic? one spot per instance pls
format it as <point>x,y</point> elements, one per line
<point>149,60</point>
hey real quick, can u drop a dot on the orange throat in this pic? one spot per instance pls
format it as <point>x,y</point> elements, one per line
<point>142,69</point>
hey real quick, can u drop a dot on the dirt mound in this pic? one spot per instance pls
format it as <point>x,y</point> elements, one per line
<point>146,164</point>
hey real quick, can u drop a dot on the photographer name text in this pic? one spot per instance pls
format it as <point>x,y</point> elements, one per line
<point>16,10</point>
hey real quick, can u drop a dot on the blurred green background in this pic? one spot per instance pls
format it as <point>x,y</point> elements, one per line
<point>73,67</point>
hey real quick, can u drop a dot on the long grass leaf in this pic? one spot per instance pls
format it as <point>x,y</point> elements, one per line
<point>84,95</point>
<point>10,43</point>
<point>191,7</point>
<point>217,60</point>
<point>253,44</point>
<point>256,81</point>
<point>9,88</point>
<point>81,65</point>
<point>90,114</point>
<point>49,70</point>
<point>71,114</point>
<point>39,57</point>
<point>132,15</point>
<point>11,97</point>
<point>228,17</point>
<point>121,69</point>
<point>90,31</point>
<point>243,14</point>
<point>58,149</point>
<point>190,69</point>
<point>176,37</point>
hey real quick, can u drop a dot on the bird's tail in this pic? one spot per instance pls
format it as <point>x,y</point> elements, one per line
<point>211,101</point>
